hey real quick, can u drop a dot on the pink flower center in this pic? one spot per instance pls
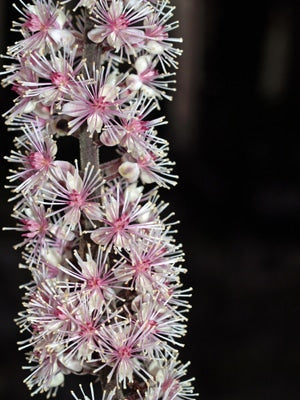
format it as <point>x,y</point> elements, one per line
<point>33,24</point>
<point>100,104</point>
<point>121,223</point>
<point>119,23</point>
<point>141,267</point>
<point>94,282</point>
<point>87,330</point>
<point>136,126</point>
<point>76,199</point>
<point>59,79</point>
<point>124,352</point>
<point>38,160</point>
<point>34,227</point>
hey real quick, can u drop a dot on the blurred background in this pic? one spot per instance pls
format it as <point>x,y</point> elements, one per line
<point>233,128</point>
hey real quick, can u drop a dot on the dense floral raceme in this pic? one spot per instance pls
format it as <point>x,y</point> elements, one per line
<point>105,297</point>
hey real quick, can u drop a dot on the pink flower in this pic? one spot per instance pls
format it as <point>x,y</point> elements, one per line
<point>105,296</point>
<point>121,347</point>
<point>117,23</point>
<point>94,279</point>
<point>94,100</point>
<point>165,326</point>
<point>36,162</point>
<point>133,129</point>
<point>42,23</point>
<point>169,381</point>
<point>176,297</point>
<point>149,80</point>
<point>55,73</point>
<point>159,43</point>
<point>35,228</point>
<point>80,340</point>
<point>23,104</point>
<point>149,265</point>
<point>45,375</point>
<point>48,312</point>
<point>153,164</point>
<point>74,195</point>
<point>121,220</point>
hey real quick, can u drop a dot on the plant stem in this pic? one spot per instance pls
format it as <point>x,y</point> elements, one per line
<point>89,153</point>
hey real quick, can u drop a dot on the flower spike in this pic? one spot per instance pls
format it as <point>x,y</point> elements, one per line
<point>105,297</point>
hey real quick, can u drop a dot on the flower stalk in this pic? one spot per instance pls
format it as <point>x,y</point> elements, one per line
<point>89,151</point>
<point>105,298</point>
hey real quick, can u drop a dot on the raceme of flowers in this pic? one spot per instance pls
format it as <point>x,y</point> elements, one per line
<point>105,298</point>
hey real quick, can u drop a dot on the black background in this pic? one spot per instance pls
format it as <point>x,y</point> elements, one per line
<point>233,132</point>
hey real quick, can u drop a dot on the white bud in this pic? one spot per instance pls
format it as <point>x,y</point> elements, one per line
<point>57,380</point>
<point>142,63</point>
<point>160,376</point>
<point>148,91</point>
<point>133,192</point>
<point>145,217</point>
<point>133,82</point>
<point>154,47</point>
<point>147,177</point>
<point>30,106</point>
<point>52,257</point>
<point>130,171</point>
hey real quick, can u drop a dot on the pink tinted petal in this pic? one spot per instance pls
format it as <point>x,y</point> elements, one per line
<point>95,123</point>
<point>112,210</point>
<point>63,167</point>
<point>74,108</point>
<point>61,36</point>
<point>92,211</point>
<point>97,35</point>
<point>147,177</point>
<point>111,138</point>
<point>74,182</point>
<point>97,235</point>
<point>72,217</point>
<point>135,35</point>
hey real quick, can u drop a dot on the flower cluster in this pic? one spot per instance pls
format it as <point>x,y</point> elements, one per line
<point>105,297</point>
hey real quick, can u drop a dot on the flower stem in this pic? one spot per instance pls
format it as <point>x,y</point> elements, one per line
<point>89,153</point>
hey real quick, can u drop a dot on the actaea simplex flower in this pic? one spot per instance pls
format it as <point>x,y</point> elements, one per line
<point>105,298</point>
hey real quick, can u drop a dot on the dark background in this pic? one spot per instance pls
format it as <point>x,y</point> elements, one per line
<point>233,132</point>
